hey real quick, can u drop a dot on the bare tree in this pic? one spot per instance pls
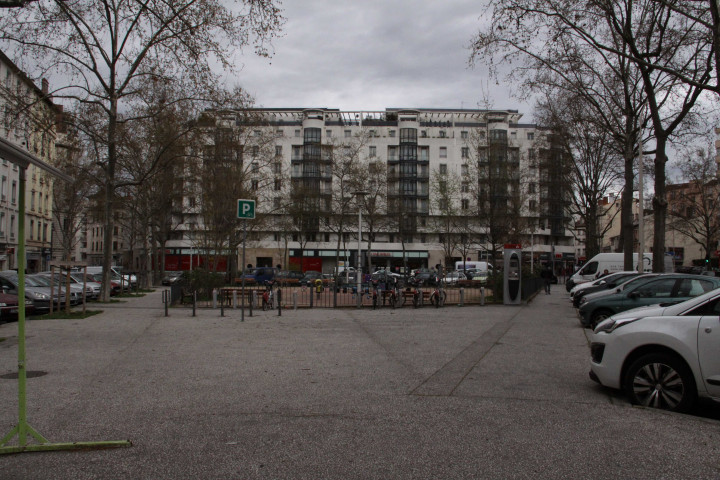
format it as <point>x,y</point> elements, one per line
<point>695,210</point>
<point>107,49</point>
<point>671,52</point>
<point>445,210</point>
<point>70,198</point>
<point>596,167</point>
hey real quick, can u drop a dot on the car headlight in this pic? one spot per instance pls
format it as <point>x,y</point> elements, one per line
<point>609,325</point>
<point>41,296</point>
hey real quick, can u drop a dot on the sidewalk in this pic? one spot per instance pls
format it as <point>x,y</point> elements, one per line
<point>472,392</point>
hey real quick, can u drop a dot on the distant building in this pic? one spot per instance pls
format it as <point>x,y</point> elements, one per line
<point>442,185</point>
<point>29,119</point>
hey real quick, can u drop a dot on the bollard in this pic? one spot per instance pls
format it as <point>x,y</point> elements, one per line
<point>462,297</point>
<point>222,305</point>
<point>279,298</point>
<point>252,301</point>
<point>194,302</point>
<point>294,300</point>
<point>214,298</point>
<point>482,295</point>
<point>166,300</point>
<point>311,298</point>
<point>234,299</point>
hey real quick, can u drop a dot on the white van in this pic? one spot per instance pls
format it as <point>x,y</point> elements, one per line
<point>612,262</point>
<point>473,265</point>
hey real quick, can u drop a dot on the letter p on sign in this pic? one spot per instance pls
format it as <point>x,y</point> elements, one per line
<point>246,209</point>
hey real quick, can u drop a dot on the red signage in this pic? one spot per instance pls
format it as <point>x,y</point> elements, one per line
<point>515,246</point>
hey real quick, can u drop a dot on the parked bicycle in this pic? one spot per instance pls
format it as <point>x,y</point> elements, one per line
<point>438,296</point>
<point>268,299</point>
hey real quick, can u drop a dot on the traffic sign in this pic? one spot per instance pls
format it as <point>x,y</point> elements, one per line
<point>246,209</point>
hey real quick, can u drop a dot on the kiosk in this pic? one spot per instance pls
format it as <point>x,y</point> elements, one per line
<point>512,274</point>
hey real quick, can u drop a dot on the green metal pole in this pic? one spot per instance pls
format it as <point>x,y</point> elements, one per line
<point>22,430</point>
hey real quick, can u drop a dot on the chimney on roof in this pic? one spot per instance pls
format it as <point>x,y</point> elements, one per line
<point>45,86</point>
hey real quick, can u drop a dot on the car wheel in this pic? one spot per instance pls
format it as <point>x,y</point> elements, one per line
<point>660,380</point>
<point>599,316</point>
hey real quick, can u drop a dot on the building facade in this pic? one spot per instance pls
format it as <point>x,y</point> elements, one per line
<point>438,186</point>
<point>30,120</point>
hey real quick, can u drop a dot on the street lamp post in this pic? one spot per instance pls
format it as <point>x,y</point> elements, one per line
<point>358,273</point>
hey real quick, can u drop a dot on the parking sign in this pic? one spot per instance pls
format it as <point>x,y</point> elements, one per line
<point>246,209</point>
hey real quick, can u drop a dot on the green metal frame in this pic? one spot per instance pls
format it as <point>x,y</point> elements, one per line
<point>23,430</point>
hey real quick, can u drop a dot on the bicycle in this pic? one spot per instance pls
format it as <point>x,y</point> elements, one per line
<point>438,297</point>
<point>395,299</point>
<point>267,297</point>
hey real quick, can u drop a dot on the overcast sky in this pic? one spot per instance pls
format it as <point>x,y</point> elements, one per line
<point>374,54</point>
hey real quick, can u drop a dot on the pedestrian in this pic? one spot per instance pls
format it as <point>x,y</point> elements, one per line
<point>605,272</point>
<point>546,274</point>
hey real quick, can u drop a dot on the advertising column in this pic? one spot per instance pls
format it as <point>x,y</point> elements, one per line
<point>512,274</point>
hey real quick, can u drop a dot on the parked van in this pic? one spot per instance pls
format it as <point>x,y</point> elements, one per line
<point>473,265</point>
<point>612,262</point>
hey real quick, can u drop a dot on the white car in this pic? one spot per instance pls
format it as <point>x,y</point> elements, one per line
<point>454,277</point>
<point>594,283</point>
<point>663,357</point>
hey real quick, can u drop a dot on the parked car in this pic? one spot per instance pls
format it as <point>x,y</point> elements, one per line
<point>595,283</point>
<point>115,286</point>
<point>661,289</point>
<point>309,277</point>
<point>424,276</point>
<point>92,287</point>
<point>174,277</point>
<point>9,307</point>
<point>258,275</point>
<point>663,357</point>
<point>39,296</point>
<point>454,277</point>
<point>609,283</point>
<point>289,277</point>
<point>42,280</point>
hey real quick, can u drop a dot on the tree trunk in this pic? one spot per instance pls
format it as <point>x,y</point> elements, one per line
<point>109,199</point>
<point>659,203</point>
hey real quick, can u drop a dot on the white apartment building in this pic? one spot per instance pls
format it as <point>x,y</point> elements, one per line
<point>419,154</point>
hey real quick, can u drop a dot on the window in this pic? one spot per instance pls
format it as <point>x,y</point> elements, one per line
<point>530,136</point>
<point>465,187</point>
<point>392,153</point>
<point>278,150</point>
<point>255,166</point>
<point>32,200</point>
<point>276,203</point>
<point>464,135</point>
<point>465,152</point>
<point>297,133</point>
<point>254,185</point>
<point>373,152</point>
<point>40,202</point>
<point>3,188</point>
<point>443,134</point>
<point>464,170</point>
<point>278,133</point>
<point>443,169</point>
<point>348,134</point>
<point>465,204</point>
<point>328,133</point>
<point>531,188</point>
<point>513,135</point>
<point>424,154</point>
<point>2,224</point>
<point>443,152</point>
<point>423,133</point>
<point>277,168</point>
<point>257,133</point>
<point>12,226</point>
<point>532,205</point>
<point>32,228</point>
<point>278,184</point>
<point>391,133</point>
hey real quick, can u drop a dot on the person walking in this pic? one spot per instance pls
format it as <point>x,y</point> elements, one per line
<point>546,274</point>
